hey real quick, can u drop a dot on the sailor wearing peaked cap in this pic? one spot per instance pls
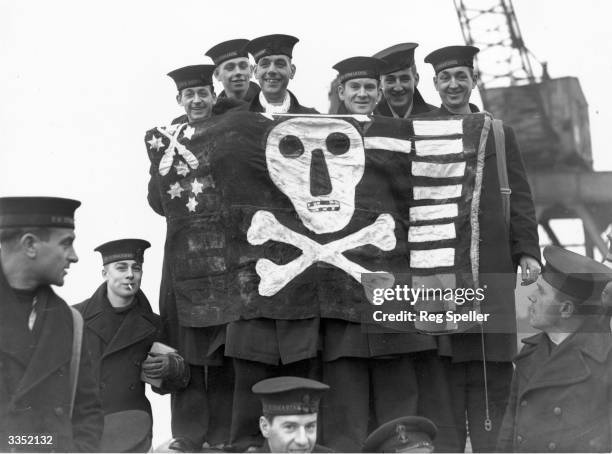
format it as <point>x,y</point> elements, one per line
<point>274,69</point>
<point>120,329</point>
<point>563,374</point>
<point>233,69</point>
<point>36,331</point>
<point>196,93</point>
<point>399,82</point>
<point>358,88</point>
<point>406,434</point>
<point>290,406</point>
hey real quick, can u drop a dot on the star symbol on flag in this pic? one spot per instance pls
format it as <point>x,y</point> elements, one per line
<point>191,204</point>
<point>175,190</point>
<point>196,187</point>
<point>181,168</point>
<point>155,143</point>
<point>188,132</point>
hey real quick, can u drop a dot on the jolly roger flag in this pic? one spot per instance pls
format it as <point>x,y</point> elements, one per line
<point>282,217</point>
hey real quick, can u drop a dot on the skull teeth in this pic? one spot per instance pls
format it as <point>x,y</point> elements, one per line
<point>323,205</point>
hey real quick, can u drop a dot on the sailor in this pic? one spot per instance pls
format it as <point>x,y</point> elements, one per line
<point>234,70</point>
<point>274,68</point>
<point>290,407</point>
<point>399,81</point>
<point>49,399</point>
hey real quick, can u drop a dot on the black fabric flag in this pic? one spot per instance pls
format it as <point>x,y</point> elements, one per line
<point>283,217</point>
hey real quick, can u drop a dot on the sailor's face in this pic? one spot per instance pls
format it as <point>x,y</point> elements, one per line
<point>54,256</point>
<point>544,308</point>
<point>197,102</point>
<point>235,75</point>
<point>123,277</point>
<point>273,72</point>
<point>360,96</point>
<point>455,85</point>
<point>290,433</point>
<point>398,87</point>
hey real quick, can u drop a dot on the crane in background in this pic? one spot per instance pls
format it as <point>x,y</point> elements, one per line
<point>550,117</point>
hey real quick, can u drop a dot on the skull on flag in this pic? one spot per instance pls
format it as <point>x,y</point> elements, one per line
<point>317,163</point>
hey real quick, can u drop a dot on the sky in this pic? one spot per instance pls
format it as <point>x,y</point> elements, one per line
<point>82,81</point>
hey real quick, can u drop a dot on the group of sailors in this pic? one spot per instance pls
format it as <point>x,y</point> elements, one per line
<point>267,385</point>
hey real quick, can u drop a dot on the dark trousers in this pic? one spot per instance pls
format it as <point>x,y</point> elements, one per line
<point>452,395</point>
<point>202,411</point>
<point>247,407</point>
<point>365,393</point>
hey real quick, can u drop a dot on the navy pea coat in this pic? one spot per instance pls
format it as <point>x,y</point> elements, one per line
<point>117,356</point>
<point>561,401</point>
<point>35,391</point>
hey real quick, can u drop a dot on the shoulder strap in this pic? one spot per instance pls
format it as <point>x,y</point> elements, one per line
<point>502,169</point>
<point>77,341</point>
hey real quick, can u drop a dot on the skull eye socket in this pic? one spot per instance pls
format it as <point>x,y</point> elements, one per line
<point>337,143</point>
<point>291,147</point>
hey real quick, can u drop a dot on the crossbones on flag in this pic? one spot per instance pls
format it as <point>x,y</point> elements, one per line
<point>283,217</point>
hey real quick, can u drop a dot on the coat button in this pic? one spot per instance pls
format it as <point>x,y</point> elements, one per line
<point>523,403</point>
<point>59,411</point>
<point>132,387</point>
<point>557,411</point>
<point>552,446</point>
<point>519,438</point>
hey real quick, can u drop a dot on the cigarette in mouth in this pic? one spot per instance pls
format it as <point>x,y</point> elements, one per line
<point>130,286</point>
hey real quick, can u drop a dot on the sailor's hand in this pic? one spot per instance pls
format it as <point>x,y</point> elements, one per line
<point>156,365</point>
<point>530,270</point>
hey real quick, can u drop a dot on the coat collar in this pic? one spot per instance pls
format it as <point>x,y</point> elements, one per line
<point>294,105</point>
<point>11,334</point>
<point>566,364</point>
<point>139,323</point>
<point>54,346</point>
<point>419,106</point>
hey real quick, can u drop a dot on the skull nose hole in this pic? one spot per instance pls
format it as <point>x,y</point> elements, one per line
<point>320,184</point>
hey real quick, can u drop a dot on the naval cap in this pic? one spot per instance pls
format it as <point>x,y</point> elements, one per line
<point>37,212</point>
<point>451,56</point>
<point>289,395</point>
<point>192,76</point>
<point>402,435</point>
<point>359,67</point>
<point>272,45</point>
<point>575,275</point>
<point>124,249</point>
<point>397,57</point>
<point>227,50</point>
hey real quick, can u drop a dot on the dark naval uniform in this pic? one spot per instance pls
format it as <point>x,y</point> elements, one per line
<point>294,108</point>
<point>118,342</point>
<point>211,383</point>
<point>561,397</point>
<point>457,375</point>
<point>262,347</point>
<point>35,377</point>
<point>419,106</point>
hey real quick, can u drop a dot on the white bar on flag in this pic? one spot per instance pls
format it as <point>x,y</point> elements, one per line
<point>422,233</point>
<point>388,143</point>
<point>435,170</point>
<point>438,147</point>
<point>430,212</point>
<point>437,192</point>
<point>437,128</point>
<point>432,258</point>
